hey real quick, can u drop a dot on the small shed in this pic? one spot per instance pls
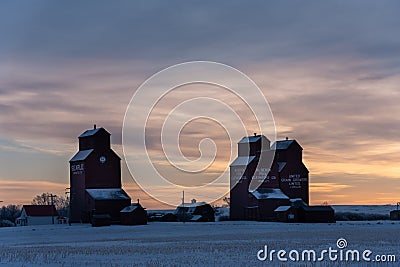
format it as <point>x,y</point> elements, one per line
<point>107,201</point>
<point>286,214</point>
<point>265,201</point>
<point>395,214</point>
<point>195,212</point>
<point>134,214</point>
<point>317,214</point>
<point>37,215</point>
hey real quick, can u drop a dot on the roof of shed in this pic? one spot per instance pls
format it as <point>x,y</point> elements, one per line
<point>108,194</point>
<point>269,193</point>
<point>282,208</point>
<point>131,208</point>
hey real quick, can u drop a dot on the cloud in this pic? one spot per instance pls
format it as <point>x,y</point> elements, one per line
<point>329,70</point>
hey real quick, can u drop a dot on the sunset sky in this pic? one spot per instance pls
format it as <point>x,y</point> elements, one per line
<point>329,70</point>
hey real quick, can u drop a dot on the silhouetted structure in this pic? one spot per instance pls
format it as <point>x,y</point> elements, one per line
<point>95,178</point>
<point>395,214</point>
<point>264,179</point>
<point>195,212</point>
<point>37,215</point>
<point>134,214</point>
<point>299,211</point>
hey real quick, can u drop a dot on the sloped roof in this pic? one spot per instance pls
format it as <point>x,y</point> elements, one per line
<point>269,193</point>
<point>282,145</point>
<point>282,208</point>
<point>81,155</point>
<point>108,194</point>
<point>242,161</point>
<point>40,210</point>
<point>250,139</point>
<point>89,132</point>
<point>92,132</point>
<point>131,208</point>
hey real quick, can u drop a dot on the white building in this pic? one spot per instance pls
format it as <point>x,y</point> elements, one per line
<point>38,215</point>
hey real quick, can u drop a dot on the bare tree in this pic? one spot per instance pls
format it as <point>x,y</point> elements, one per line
<point>61,203</point>
<point>10,212</point>
<point>227,200</point>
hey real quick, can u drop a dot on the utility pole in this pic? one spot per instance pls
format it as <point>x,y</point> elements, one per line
<point>52,207</point>
<point>183,205</point>
<point>69,204</point>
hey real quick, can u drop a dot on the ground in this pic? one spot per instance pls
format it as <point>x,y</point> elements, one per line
<point>188,244</point>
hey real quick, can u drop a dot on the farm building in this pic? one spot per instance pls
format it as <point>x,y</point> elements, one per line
<point>134,214</point>
<point>39,215</point>
<point>266,178</point>
<point>195,212</point>
<point>299,211</point>
<point>395,214</point>
<point>95,178</point>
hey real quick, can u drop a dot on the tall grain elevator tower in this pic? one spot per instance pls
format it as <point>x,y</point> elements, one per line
<point>95,178</point>
<point>264,177</point>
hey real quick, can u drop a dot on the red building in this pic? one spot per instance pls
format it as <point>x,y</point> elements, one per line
<point>95,178</point>
<point>264,177</point>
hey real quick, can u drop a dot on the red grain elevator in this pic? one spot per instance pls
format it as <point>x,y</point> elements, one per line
<point>95,178</point>
<point>265,177</point>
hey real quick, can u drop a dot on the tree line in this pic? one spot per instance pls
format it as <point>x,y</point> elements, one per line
<point>9,213</point>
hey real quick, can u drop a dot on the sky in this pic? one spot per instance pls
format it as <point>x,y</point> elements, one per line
<point>330,71</point>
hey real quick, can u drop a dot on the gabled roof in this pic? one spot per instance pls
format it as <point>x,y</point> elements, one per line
<point>40,210</point>
<point>92,132</point>
<point>269,193</point>
<point>81,155</point>
<point>282,145</point>
<point>108,194</point>
<point>250,139</point>
<point>242,161</point>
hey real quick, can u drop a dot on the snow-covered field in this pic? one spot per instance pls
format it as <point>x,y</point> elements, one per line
<point>188,244</point>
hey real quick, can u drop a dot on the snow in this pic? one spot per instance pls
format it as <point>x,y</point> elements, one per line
<point>249,139</point>
<point>129,208</point>
<point>282,208</point>
<point>90,132</point>
<point>284,144</point>
<point>233,243</point>
<point>269,193</point>
<point>107,193</point>
<point>81,155</point>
